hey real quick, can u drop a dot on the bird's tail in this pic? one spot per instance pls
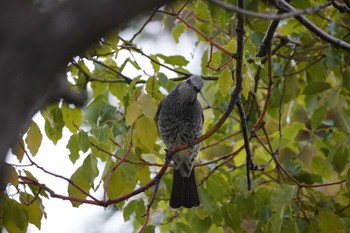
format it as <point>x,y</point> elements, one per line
<point>184,191</point>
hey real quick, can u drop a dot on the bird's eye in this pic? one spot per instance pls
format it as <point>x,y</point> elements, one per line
<point>192,85</point>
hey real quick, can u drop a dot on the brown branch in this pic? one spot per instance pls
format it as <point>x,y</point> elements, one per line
<point>147,214</point>
<point>27,180</point>
<point>259,122</point>
<point>301,70</point>
<point>122,160</point>
<point>220,68</point>
<point>156,179</point>
<point>55,175</point>
<point>226,159</point>
<point>300,185</point>
<point>125,78</point>
<point>219,141</point>
<point>144,25</point>
<point>223,157</point>
<point>133,47</point>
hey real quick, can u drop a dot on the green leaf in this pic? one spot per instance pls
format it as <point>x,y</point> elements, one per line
<point>217,185</point>
<point>346,79</point>
<point>152,87</point>
<point>232,45</point>
<point>34,138</point>
<point>200,225</point>
<point>73,146</point>
<point>117,185</point>
<point>283,195</point>
<point>155,63</point>
<point>101,133</point>
<point>132,113</point>
<point>90,169</point>
<point>119,90</point>
<point>216,58</point>
<point>140,211</point>
<point>177,31</point>
<point>175,60</point>
<point>146,132</point>
<point>34,210</point>
<point>321,166</point>
<point>316,87</point>
<point>112,39</point>
<point>333,59</point>
<point>76,143</point>
<point>348,180</point>
<point>316,72</point>
<point>341,159</point>
<point>149,229</point>
<point>302,3</point>
<point>143,175</point>
<point>225,81</point>
<point>92,110</point>
<point>202,11</point>
<point>274,225</point>
<point>99,88</point>
<point>83,186</point>
<point>11,175</point>
<point>318,116</point>
<point>148,106</point>
<point>14,219</point>
<point>129,210</point>
<point>72,117</point>
<point>231,215</point>
<point>330,222</point>
<point>18,150</point>
<point>53,122</point>
<point>165,82</point>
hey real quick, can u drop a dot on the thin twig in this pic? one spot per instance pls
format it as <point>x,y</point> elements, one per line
<point>55,175</point>
<point>106,183</point>
<point>147,214</point>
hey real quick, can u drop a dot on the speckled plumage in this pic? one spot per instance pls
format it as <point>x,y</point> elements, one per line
<point>180,121</point>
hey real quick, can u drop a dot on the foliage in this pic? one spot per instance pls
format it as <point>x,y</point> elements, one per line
<point>296,102</point>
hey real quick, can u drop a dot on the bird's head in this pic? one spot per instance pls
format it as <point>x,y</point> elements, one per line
<point>188,89</point>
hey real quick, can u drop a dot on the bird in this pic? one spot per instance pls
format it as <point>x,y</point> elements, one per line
<point>180,121</point>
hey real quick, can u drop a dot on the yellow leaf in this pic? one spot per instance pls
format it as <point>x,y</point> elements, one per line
<point>148,105</point>
<point>132,113</point>
<point>247,85</point>
<point>146,132</point>
<point>232,45</point>
<point>34,138</point>
<point>225,81</point>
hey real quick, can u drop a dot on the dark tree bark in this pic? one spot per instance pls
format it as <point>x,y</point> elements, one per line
<point>35,48</point>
